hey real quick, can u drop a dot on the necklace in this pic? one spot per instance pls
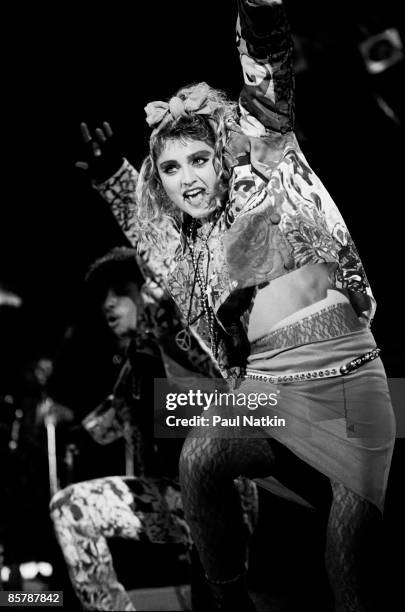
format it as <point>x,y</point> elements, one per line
<point>205,289</point>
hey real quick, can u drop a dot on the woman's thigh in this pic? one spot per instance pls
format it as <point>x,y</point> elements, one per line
<point>218,457</point>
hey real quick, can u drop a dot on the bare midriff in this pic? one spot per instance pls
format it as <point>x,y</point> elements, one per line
<point>290,294</point>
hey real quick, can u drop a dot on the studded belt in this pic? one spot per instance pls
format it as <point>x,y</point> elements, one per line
<point>343,370</point>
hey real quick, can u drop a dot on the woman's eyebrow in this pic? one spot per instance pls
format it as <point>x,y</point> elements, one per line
<point>168,162</point>
<point>200,152</point>
<point>197,153</point>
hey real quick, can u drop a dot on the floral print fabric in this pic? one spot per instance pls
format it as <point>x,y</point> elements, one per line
<point>141,509</point>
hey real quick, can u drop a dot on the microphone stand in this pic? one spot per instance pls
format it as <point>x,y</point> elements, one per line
<point>50,425</point>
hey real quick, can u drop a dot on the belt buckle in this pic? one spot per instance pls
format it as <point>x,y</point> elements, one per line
<point>356,363</point>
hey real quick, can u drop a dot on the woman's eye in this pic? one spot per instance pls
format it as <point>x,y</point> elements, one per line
<point>200,161</point>
<point>170,170</point>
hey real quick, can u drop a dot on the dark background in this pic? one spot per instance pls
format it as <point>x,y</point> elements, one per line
<point>63,67</point>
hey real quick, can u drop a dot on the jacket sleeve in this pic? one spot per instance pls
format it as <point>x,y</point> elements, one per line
<point>103,423</point>
<point>265,48</point>
<point>109,421</point>
<point>119,192</point>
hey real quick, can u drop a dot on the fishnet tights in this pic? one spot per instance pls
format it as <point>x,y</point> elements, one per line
<point>353,552</point>
<point>208,467</point>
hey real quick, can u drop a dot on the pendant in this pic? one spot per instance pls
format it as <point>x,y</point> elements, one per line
<point>183,339</point>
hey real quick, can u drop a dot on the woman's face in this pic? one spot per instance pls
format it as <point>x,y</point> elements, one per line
<point>187,172</point>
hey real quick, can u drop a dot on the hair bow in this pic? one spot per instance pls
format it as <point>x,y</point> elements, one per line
<point>195,100</point>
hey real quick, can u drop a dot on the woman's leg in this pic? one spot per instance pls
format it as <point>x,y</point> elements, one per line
<point>208,467</point>
<point>353,551</point>
<point>87,513</point>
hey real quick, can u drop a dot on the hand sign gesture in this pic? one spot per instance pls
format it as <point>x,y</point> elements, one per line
<point>102,158</point>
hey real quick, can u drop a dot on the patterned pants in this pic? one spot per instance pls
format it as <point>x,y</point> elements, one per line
<point>142,509</point>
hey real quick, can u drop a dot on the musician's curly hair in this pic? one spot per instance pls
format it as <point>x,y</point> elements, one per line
<point>154,205</point>
<point>114,270</point>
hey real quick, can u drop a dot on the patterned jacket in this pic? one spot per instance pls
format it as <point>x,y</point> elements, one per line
<point>278,217</point>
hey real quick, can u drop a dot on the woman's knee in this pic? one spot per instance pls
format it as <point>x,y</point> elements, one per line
<point>352,514</point>
<point>225,457</point>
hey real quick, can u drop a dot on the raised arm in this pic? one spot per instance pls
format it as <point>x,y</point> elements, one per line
<point>111,175</point>
<point>115,179</point>
<point>265,48</point>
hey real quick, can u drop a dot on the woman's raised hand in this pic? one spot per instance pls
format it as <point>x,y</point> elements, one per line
<point>102,159</point>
